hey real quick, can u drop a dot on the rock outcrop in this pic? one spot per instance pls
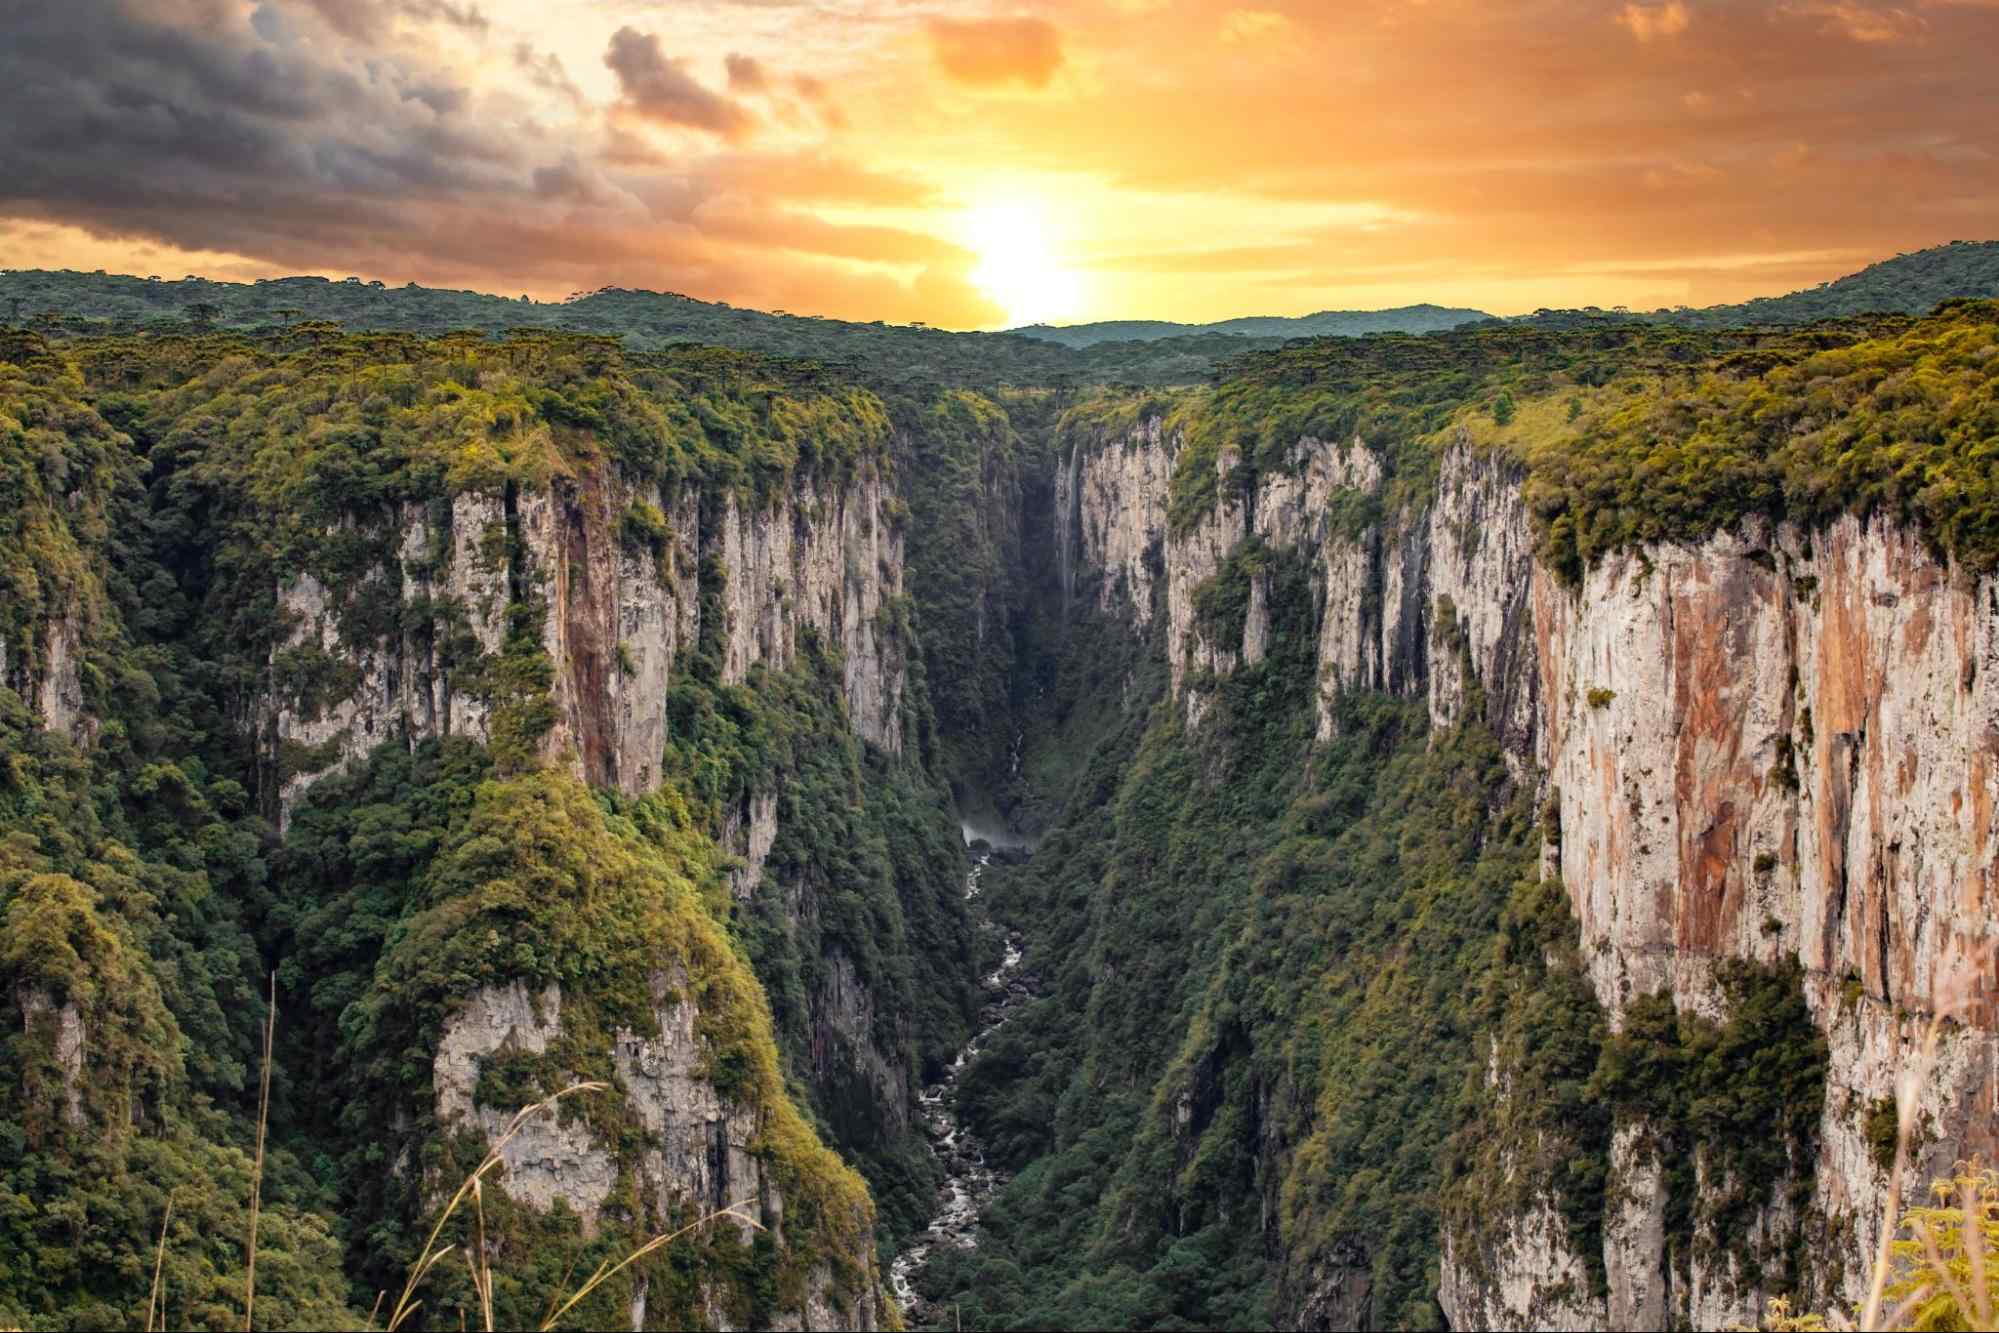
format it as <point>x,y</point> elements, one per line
<point>1110,520</point>
<point>1780,745</point>
<point>696,1150</point>
<point>61,1027</point>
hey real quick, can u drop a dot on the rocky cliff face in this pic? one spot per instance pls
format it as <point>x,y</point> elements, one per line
<point>1772,745</point>
<point>61,1027</point>
<point>1782,745</point>
<point>619,611</point>
<point>1110,520</point>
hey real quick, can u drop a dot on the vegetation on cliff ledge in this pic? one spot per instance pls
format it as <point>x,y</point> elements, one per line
<point>1632,433</point>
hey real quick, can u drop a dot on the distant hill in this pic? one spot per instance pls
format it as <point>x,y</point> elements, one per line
<point>1910,284</point>
<point>1326,323</point>
<point>891,356</point>
<point>887,354</point>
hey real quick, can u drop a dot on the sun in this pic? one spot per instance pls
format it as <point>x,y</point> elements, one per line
<point>1019,266</point>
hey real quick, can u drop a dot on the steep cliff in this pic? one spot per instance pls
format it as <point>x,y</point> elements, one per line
<point>1752,718</point>
<point>399,598</point>
<point>1765,747</point>
<point>613,564</point>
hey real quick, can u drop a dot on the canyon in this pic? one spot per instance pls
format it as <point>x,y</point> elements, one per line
<point>1333,802</point>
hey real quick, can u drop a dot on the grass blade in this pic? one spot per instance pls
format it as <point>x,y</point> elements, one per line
<point>405,1306</point>
<point>604,1274</point>
<point>159,1259</point>
<point>257,1171</point>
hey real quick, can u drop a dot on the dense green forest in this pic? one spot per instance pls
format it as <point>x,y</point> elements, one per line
<point>896,356</point>
<point>1910,283</point>
<point>1266,968</point>
<point>1289,960</point>
<point>1631,434</point>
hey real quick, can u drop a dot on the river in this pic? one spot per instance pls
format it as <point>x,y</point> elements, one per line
<point>968,1181</point>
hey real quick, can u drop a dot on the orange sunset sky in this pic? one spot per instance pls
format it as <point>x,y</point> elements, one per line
<point>976,164</point>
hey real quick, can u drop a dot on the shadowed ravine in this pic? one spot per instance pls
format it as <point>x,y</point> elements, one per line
<point>968,1181</point>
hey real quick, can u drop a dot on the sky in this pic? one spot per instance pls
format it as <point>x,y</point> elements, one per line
<point>972,164</point>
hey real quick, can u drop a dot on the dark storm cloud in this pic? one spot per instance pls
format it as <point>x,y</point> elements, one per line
<point>212,133</point>
<point>273,135</point>
<point>662,90</point>
<point>369,20</point>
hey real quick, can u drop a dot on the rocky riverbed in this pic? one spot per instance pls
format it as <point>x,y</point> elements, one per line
<point>968,1181</point>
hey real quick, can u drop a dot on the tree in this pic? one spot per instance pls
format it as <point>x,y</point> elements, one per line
<point>202,314</point>
<point>13,310</point>
<point>288,313</point>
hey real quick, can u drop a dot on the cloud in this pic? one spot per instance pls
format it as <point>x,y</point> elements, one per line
<point>746,74</point>
<point>546,72</point>
<point>662,90</point>
<point>190,135</point>
<point>370,20</point>
<point>819,177</point>
<point>1863,22</point>
<point>991,53</point>
<point>1649,21</point>
<point>1252,25</point>
<point>223,135</point>
<point>814,93</point>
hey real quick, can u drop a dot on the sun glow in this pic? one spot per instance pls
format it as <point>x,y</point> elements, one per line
<point>1019,265</point>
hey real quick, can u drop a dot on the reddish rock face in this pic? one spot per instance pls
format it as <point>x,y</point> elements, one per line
<point>1770,745</point>
<point>1824,708</point>
<point>1830,748</point>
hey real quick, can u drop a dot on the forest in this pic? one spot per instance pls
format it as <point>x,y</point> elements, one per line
<point>1270,963</point>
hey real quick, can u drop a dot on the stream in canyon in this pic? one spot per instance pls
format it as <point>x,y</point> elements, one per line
<point>968,1181</point>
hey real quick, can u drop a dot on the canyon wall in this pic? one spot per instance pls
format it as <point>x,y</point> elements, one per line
<point>620,608</point>
<point>1772,745</point>
<point>618,611</point>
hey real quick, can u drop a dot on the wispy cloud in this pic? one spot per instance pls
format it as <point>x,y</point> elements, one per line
<point>990,53</point>
<point>661,90</point>
<point>1649,21</point>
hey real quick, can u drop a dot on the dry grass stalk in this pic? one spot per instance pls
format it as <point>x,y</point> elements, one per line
<point>257,1170</point>
<point>1906,1089</point>
<point>606,1270</point>
<point>480,1267</point>
<point>1947,1281</point>
<point>405,1304</point>
<point>159,1259</point>
<point>1967,993</point>
<point>482,1272</point>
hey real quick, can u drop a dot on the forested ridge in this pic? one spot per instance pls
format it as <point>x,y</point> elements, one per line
<point>904,356</point>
